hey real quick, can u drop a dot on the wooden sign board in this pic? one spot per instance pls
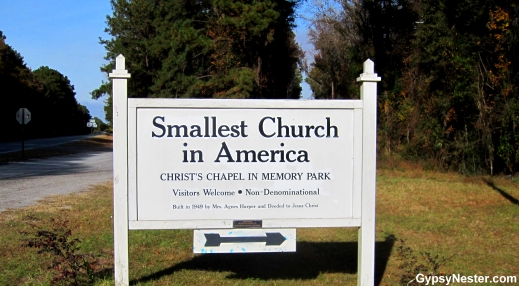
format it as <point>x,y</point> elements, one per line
<point>206,163</point>
<point>230,164</point>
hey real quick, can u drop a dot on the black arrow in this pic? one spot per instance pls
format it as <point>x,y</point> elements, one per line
<point>272,238</point>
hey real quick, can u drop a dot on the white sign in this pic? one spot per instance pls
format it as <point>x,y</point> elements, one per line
<point>23,116</point>
<point>90,124</point>
<point>244,240</point>
<point>218,163</point>
<point>200,164</point>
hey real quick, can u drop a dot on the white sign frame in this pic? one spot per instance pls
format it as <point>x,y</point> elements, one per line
<point>125,167</point>
<point>159,106</point>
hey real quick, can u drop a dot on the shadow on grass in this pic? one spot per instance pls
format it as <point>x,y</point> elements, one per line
<point>311,259</point>
<point>52,148</point>
<point>107,273</point>
<point>502,192</point>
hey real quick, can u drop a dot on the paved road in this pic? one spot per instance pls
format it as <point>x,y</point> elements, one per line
<point>24,183</point>
<point>38,143</point>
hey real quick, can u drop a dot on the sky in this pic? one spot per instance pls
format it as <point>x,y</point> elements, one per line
<point>64,35</point>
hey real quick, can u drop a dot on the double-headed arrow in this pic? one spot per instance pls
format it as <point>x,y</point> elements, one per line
<point>272,238</point>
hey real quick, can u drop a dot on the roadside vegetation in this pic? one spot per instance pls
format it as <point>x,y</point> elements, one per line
<point>45,92</point>
<point>204,49</point>
<point>449,89</point>
<point>428,221</point>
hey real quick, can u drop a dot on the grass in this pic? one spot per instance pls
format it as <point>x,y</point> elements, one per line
<point>471,221</point>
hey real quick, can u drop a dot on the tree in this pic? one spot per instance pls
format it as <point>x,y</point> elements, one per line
<point>449,75</point>
<point>255,39</point>
<point>220,48</point>
<point>20,89</point>
<point>61,111</point>
<point>463,70</point>
<point>47,94</point>
<point>101,126</point>
<point>346,33</point>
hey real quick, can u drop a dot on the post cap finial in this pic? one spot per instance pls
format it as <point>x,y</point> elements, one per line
<point>119,62</point>
<point>368,72</point>
<point>369,66</point>
<point>119,71</point>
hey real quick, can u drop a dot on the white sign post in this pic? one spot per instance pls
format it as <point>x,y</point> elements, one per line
<point>119,78</point>
<point>254,168</point>
<point>366,249</point>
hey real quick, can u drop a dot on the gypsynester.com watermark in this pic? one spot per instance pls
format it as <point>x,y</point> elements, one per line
<point>462,279</point>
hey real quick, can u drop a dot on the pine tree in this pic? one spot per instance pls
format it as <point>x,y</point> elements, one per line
<point>220,48</point>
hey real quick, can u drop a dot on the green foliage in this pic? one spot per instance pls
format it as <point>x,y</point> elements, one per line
<point>19,89</point>
<point>47,94</point>
<point>207,49</point>
<point>101,126</point>
<point>379,30</point>
<point>461,74</point>
<point>60,105</point>
<point>449,76</point>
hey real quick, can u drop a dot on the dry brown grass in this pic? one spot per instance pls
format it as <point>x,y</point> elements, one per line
<point>473,221</point>
<point>89,216</point>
